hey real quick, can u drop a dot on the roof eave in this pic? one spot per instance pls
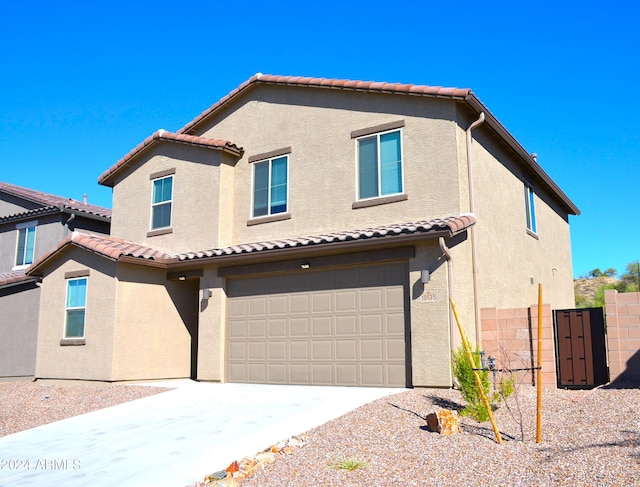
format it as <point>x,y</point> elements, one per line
<point>493,122</point>
<point>390,240</point>
<point>108,177</point>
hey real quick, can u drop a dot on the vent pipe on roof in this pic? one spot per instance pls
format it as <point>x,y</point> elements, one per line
<point>472,230</point>
<point>84,198</point>
<point>534,156</point>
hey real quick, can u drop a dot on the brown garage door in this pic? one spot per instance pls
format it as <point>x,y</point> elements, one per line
<point>331,327</point>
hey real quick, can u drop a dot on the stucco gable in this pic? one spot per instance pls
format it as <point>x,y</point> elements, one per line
<point>461,95</point>
<point>108,177</point>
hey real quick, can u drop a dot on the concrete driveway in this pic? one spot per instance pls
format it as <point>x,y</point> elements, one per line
<point>172,438</point>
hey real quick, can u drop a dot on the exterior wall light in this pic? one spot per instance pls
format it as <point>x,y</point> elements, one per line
<point>425,276</point>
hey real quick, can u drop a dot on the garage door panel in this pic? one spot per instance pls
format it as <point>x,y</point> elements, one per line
<point>258,329</point>
<point>277,373</point>
<point>396,374</point>
<point>372,324</point>
<point>341,326</point>
<point>278,305</point>
<point>347,374</point>
<point>372,375</point>
<point>299,304</point>
<point>299,374</point>
<point>299,350</point>
<point>257,372</point>
<point>394,298</point>
<point>238,351</point>
<point>257,351</point>
<point>238,329</point>
<point>347,350</point>
<point>322,302</point>
<point>372,349</point>
<point>258,306</point>
<point>321,326</point>
<point>346,325</point>
<point>278,328</point>
<point>299,327</point>
<point>371,299</point>
<point>395,348</point>
<point>346,301</point>
<point>322,350</point>
<point>237,372</point>
<point>277,350</point>
<point>395,324</point>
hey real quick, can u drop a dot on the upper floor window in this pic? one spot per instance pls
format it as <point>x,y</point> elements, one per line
<point>75,308</point>
<point>26,244</point>
<point>270,186</point>
<point>161,202</point>
<point>529,202</point>
<point>379,165</point>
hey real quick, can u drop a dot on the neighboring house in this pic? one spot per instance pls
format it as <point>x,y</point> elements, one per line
<point>307,231</point>
<point>32,223</point>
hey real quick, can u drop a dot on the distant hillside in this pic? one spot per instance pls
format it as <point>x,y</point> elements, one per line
<point>585,287</point>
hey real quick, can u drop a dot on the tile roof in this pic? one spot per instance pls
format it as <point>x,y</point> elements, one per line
<point>107,177</point>
<point>13,278</point>
<point>452,225</point>
<point>113,248</point>
<point>109,247</point>
<point>49,203</point>
<point>338,84</point>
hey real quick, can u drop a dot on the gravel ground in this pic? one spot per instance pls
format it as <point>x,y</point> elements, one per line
<point>588,438</point>
<point>26,404</point>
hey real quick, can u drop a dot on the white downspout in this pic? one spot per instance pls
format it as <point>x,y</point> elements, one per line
<point>474,245</point>
<point>447,255</point>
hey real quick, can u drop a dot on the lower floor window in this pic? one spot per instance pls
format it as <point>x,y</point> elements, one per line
<point>75,309</point>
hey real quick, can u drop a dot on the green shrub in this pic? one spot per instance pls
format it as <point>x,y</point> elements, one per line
<point>469,387</point>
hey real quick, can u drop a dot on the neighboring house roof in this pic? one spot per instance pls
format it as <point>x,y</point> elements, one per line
<point>50,204</point>
<point>460,94</point>
<point>107,178</point>
<point>117,249</point>
<point>14,278</point>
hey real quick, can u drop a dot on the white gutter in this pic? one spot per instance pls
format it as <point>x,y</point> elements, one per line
<point>472,231</point>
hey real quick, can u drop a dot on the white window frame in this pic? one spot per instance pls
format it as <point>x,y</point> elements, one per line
<point>378,135</point>
<point>19,227</point>
<point>530,207</point>
<point>66,309</point>
<point>253,187</point>
<point>153,205</point>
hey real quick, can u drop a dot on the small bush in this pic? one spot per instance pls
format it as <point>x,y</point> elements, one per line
<point>469,387</point>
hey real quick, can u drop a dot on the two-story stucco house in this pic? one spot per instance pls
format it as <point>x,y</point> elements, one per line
<point>307,231</point>
<point>32,223</point>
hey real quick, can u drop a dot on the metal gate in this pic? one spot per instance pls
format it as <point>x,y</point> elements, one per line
<point>580,348</point>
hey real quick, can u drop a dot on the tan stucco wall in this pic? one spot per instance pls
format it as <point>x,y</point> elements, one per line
<point>94,360</point>
<point>212,328</point>
<point>153,324</point>
<point>196,198</point>
<point>508,256</point>
<point>317,126</point>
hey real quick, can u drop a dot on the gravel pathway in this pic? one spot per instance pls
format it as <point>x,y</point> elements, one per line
<point>588,438</point>
<point>26,404</point>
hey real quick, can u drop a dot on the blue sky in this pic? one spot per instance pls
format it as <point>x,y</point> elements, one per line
<point>83,83</point>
